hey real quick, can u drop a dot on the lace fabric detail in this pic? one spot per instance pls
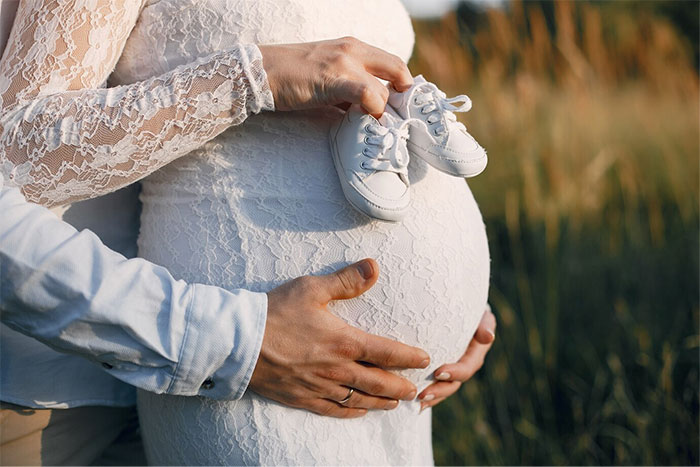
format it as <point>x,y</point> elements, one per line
<point>261,204</point>
<point>253,207</point>
<point>65,136</point>
<point>209,220</point>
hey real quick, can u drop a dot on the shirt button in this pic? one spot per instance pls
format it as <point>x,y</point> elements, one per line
<point>208,384</point>
<point>107,366</point>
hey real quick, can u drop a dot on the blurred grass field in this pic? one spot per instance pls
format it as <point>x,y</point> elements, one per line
<point>590,114</point>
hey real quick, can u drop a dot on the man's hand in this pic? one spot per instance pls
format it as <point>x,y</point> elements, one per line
<point>311,359</point>
<point>450,377</point>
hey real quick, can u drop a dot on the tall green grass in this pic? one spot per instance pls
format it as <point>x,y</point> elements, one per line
<point>590,115</point>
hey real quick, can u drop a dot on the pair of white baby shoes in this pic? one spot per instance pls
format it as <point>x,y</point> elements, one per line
<point>372,156</point>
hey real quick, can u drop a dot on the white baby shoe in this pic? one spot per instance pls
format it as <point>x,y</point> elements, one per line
<point>371,158</point>
<point>440,140</point>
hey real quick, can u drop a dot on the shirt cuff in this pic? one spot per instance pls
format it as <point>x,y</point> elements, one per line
<point>221,343</point>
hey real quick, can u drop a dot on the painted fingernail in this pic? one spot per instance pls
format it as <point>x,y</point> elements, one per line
<point>443,376</point>
<point>428,397</point>
<point>365,269</point>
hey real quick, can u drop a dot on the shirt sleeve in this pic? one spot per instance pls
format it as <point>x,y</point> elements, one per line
<point>69,291</point>
<point>65,136</point>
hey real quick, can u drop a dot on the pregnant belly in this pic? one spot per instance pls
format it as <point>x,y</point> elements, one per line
<point>262,205</point>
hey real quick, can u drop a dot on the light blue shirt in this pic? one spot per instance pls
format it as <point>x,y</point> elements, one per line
<point>129,320</point>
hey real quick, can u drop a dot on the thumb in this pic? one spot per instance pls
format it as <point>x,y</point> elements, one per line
<point>486,332</point>
<point>350,281</point>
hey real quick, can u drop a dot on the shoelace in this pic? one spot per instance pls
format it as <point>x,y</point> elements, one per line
<point>436,103</point>
<point>383,145</point>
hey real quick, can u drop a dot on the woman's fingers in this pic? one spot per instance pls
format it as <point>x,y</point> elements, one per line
<point>438,390</point>
<point>366,91</point>
<point>316,74</point>
<point>451,376</point>
<point>465,368</point>
<point>378,62</point>
<point>376,97</point>
<point>473,358</point>
<point>432,403</point>
<point>486,332</point>
<point>484,336</point>
<point>387,66</point>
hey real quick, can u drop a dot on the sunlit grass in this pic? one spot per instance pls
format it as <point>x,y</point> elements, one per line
<point>591,204</point>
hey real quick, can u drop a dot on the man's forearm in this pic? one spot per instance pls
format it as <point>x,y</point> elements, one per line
<point>68,290</point>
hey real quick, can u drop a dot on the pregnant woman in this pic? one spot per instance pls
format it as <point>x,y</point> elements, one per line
<point>260,204</point>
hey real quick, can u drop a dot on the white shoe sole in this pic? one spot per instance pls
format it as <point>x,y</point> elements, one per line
<point>471,168</point>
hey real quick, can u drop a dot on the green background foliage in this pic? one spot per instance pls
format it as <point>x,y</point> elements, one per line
<point>589,112</point>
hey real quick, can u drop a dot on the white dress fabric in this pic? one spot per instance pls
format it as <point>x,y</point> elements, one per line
<point>261,204</point>
<point>248,206</point>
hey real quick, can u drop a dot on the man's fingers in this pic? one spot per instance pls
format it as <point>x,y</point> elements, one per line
<point>387,353</point>
<point>333,409</point>
<point>386,66</point>
<point>361,400</point>
<point>380,383</point>
<point>348,282</point>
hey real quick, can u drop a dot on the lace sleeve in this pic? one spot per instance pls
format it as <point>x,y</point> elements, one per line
<point>64,136</point>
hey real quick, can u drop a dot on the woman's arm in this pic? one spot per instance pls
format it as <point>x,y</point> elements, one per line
<point>64,137</point>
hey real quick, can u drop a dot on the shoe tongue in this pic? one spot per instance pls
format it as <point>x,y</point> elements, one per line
<point>387,120</point>
<point>417,88</point>
<point>399,100</point>
<point>419,80</point>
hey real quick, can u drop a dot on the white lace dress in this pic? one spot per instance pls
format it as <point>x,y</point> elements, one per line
<point>261,204</point>
<point>252,207</point>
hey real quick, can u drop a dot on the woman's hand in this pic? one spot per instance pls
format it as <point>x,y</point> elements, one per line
<point>310,358</point>
<point>450,377</point>
<point>340,71</point>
